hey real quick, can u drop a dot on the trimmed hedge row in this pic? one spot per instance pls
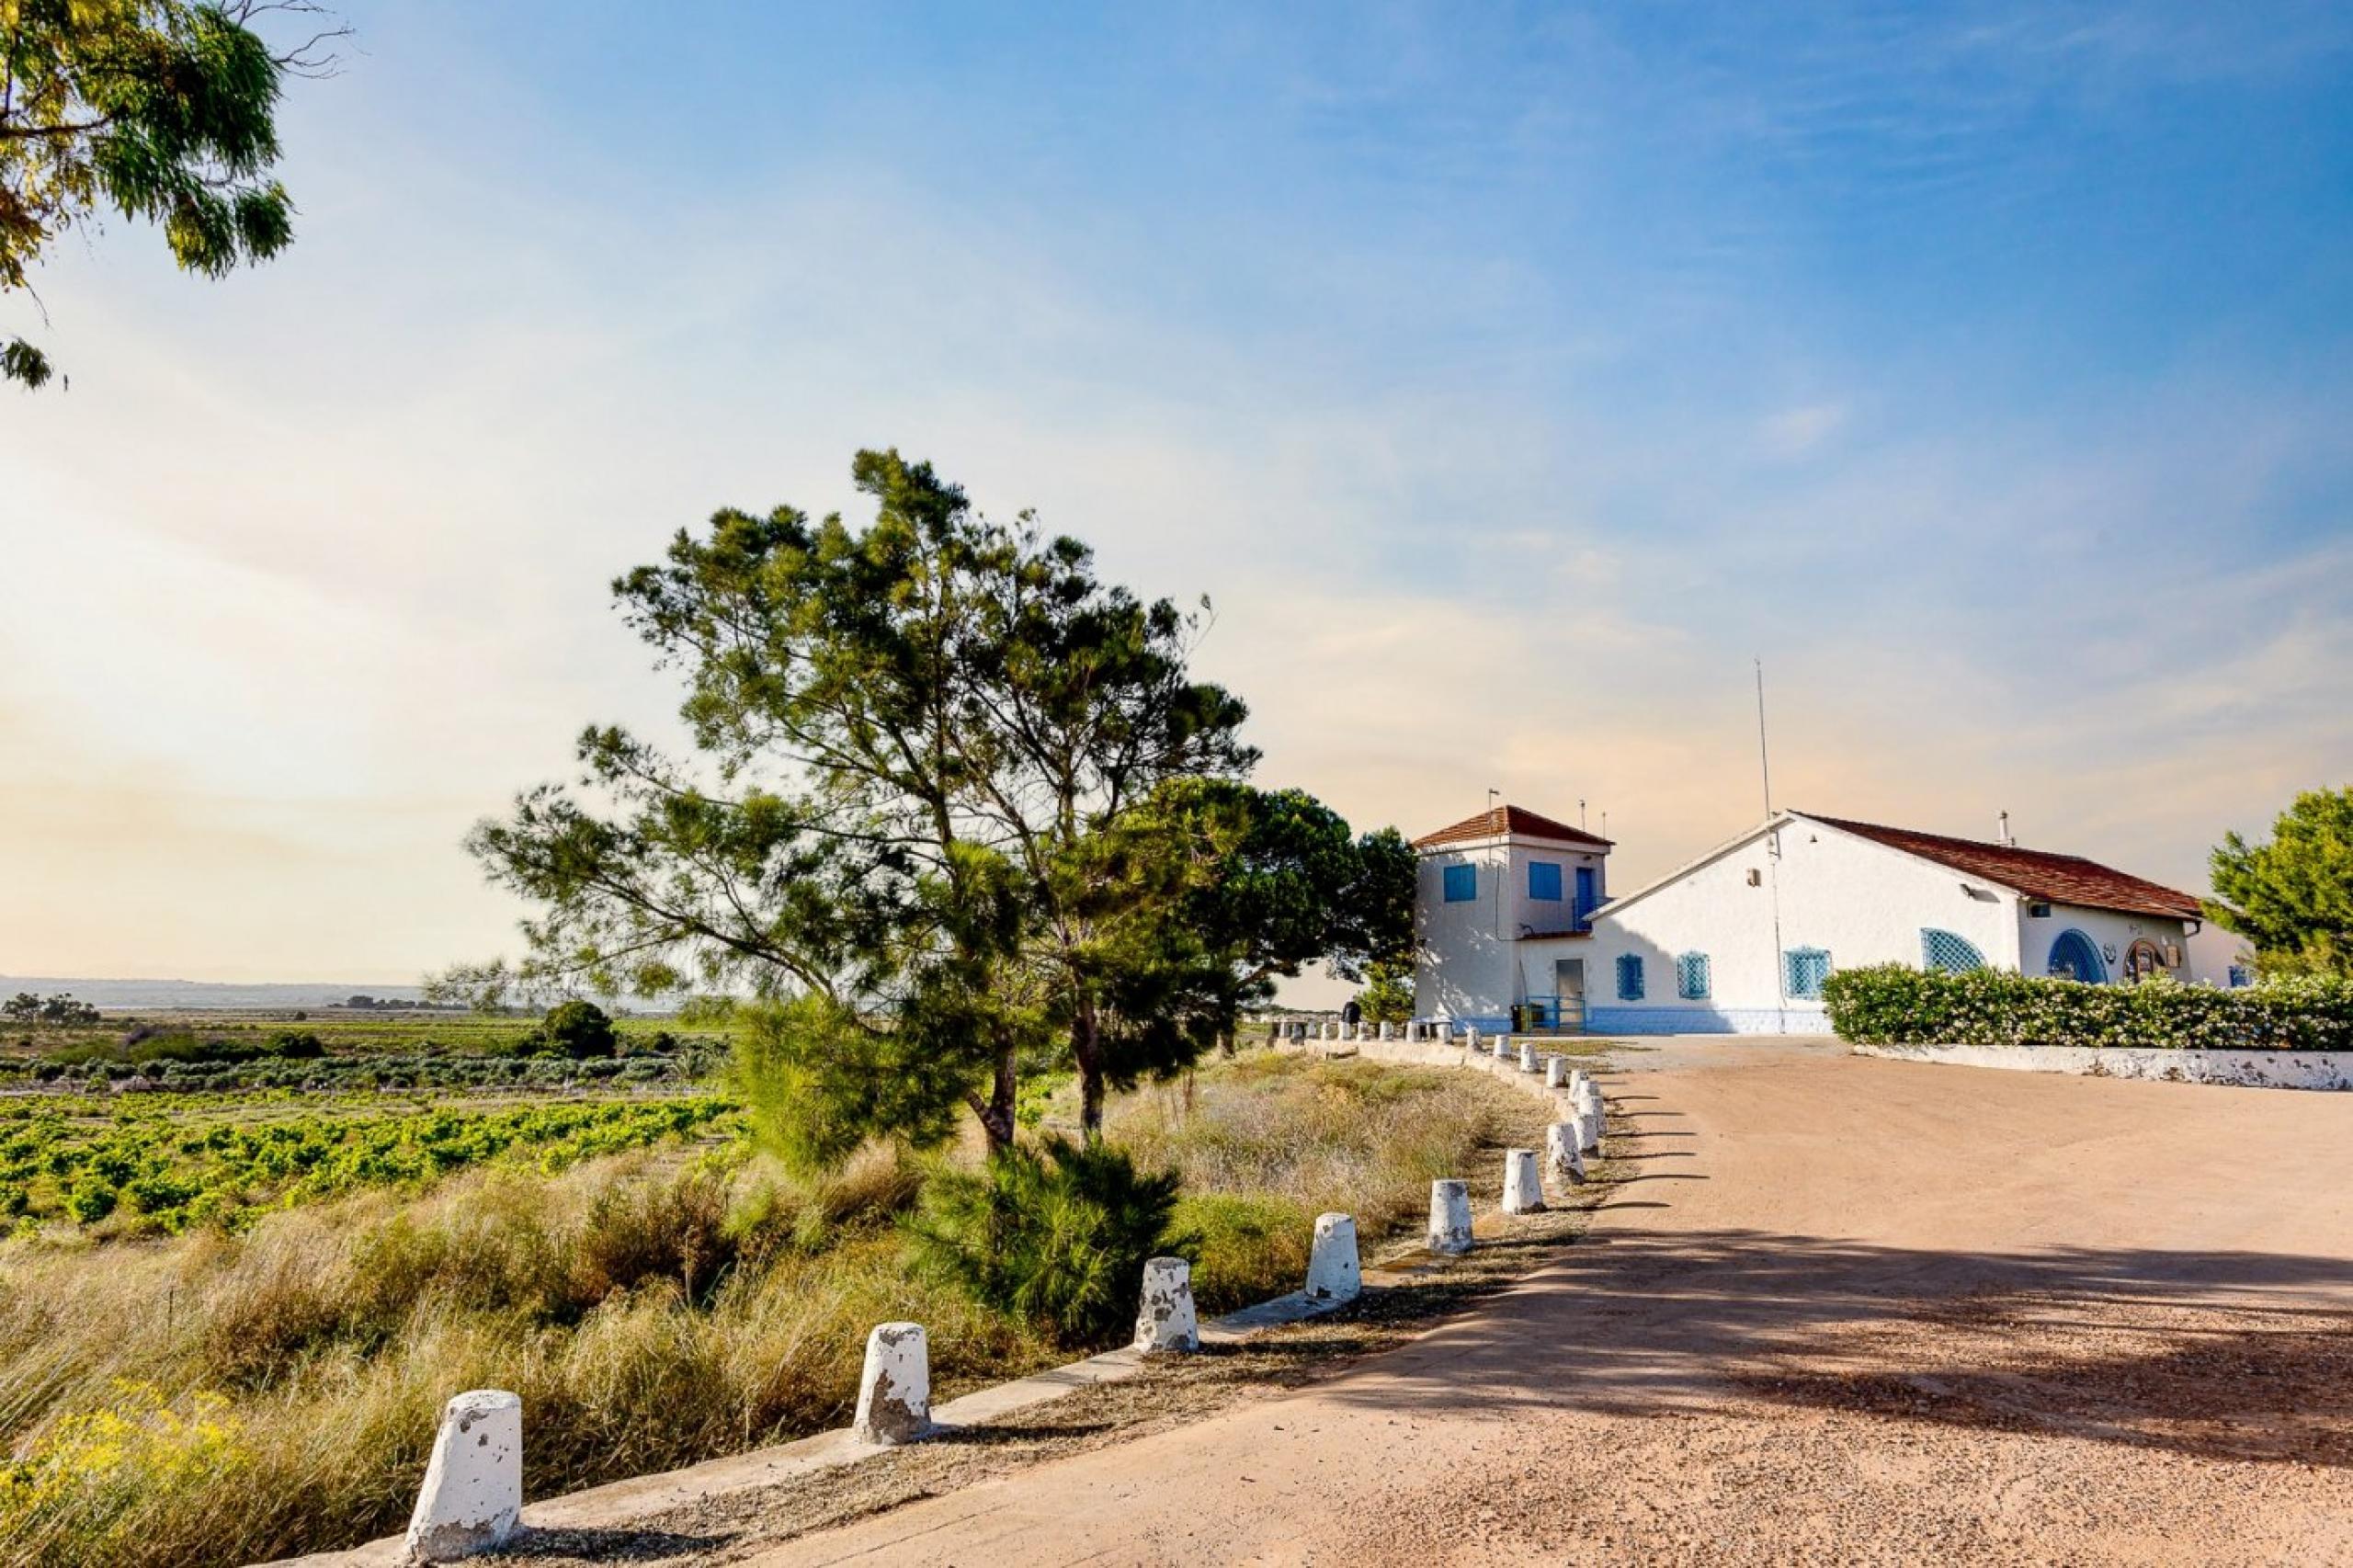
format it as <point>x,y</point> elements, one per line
<point>1896,1004</point>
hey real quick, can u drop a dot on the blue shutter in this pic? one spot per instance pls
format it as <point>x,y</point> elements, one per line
<point>1461,883</point>
<point>1630,977</point>
<point>1544,881</point>
<point>1943,952</point>
<point>1804,970</point>
<point>1588,893</point>
<point>1691,977</point>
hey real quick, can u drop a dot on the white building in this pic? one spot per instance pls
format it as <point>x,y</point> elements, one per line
<point>1512,913</point>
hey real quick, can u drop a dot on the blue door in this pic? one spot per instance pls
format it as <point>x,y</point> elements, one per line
<point>1587,895</point>
<point>2074,957</point>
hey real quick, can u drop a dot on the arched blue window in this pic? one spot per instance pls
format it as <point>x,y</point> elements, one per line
<point>1805,968</point>
<point>1630,977</point>
<point>1691,977</point>
<point>1461,883</point>
<point>2076,957</point>
<point>1943,951</point>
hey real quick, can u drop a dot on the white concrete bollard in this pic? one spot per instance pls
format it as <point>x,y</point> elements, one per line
<point>473,1495</point>
<point>1523,1182</point>
<point>1387,1031</point>
<point>1503,1048</point>
<point>1470,1038</point>
<point>1589,1127</point>
<point>1563,1150</point>
<point>894,1388</point>
<point>1166,1321</point>
<point>1450,1217</point>
<point>1527,1062</point>
<point>1578,1082</point>
<point>1333,1272</point>
<point>1556,1072</point>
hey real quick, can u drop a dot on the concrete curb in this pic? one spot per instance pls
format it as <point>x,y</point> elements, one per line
<point>2242,1068</point>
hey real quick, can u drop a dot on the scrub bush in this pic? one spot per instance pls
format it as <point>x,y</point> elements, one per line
<point>1054,1236</point>
<point>1896,1004</point>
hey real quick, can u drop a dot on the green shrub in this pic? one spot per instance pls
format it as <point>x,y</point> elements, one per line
<point>1246,1249</point>
<point>1054,1236</point>
<point>1896,1004</point>
<point>92,1198</point>
<point>576,1030</point>
<point>295,1045</point>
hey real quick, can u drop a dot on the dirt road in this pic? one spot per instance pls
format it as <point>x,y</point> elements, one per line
<point>1847,1311</point>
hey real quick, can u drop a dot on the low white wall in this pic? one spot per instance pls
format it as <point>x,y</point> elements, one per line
<point>1430,1053</point>
<point>2247,1069</point>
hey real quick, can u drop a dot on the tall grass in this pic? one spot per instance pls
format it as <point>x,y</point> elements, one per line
<point>227,1399</point>
<point>1267,1141</point>
<point>220,1399</point>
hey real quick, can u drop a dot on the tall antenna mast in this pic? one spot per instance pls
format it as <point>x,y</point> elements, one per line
<point>1763,757</point>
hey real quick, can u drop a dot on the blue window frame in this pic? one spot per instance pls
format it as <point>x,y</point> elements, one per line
<point>1805,968</point>
<point>1691,977</point>
<point>1544,881</point>
<point>1944,952</point>
<point>1461,883</point>
<point>1630,977</point>
<point>2074,957</point>
<point>2239,976</point>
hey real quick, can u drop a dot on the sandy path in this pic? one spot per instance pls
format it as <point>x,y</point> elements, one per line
<point>1847,1311</point>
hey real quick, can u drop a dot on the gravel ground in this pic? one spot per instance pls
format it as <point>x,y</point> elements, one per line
<point>1840,1310</point>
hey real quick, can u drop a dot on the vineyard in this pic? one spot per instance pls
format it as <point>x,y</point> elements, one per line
<point>128,1166</point>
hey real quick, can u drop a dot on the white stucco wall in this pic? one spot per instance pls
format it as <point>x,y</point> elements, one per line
<point>1860,900</point>
<point>1467,965</point>
<point>2111,933</point>
<point>2213,951</point>
<point>1462,951</point>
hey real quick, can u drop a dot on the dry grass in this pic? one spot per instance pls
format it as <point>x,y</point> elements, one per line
<point>217,1400</point>
<point>1268,1141</point>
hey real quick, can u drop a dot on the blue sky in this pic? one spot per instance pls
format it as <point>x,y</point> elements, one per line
<point>1508,378</point>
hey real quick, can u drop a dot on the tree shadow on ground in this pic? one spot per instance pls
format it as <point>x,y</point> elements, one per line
<point>609,1545</point>
<point>2218,1355</point>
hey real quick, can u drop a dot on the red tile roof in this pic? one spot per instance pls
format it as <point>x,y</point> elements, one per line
<point>1496,821</point>
<point>2038,874</point>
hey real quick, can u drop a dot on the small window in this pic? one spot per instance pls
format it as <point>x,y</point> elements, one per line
<point>2039,911</point>
<point>2239,976</point>
<point>1943,952</point>
<point>1805,968</point>
<point>1544,881</point>
<point>1630,977</point>
<point>1461,883</point>
<point>1691,977</point>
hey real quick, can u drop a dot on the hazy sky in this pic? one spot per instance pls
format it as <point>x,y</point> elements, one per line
<point>1508,378</point>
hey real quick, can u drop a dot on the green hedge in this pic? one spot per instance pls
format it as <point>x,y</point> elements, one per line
<point>1896,1004</point>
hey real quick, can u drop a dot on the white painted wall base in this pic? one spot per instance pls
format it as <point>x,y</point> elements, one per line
<point>2245,1069</point>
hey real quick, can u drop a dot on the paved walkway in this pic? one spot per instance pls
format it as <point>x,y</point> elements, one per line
<point>1846,1311</point>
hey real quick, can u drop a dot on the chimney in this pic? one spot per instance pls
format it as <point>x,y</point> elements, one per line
<point>2003,838</point>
